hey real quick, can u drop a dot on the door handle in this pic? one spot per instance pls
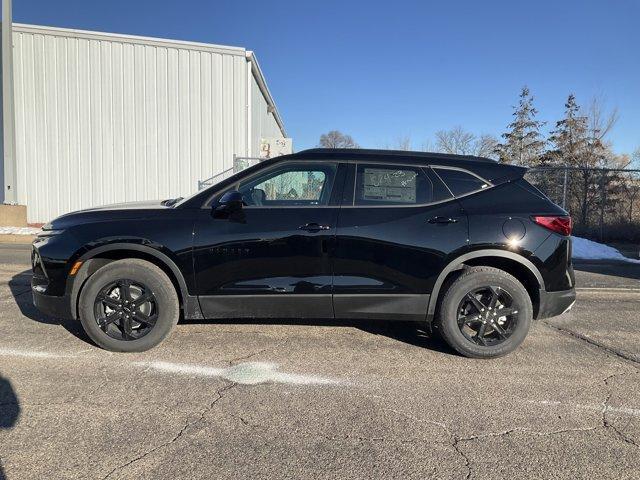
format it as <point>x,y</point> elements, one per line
<point>313,227</point>
<point>442,220</point>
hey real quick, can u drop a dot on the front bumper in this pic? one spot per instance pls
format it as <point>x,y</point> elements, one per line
<point>555,303</point>
<point>59,307</point>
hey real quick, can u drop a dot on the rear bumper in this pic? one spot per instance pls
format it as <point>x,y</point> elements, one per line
<point>59,307</point>
<point>555,303</point>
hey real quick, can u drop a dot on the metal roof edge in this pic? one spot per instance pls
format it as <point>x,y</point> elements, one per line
<point>119,37</point>
<point>258,75</point>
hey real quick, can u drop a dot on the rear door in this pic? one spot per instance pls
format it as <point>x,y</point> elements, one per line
<point>397,227</point>
<point>273,259</point>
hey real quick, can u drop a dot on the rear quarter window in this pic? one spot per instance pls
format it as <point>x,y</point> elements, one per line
<point>461,182</point>
<point>531,188</point>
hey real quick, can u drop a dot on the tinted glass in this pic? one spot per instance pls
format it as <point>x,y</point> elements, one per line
<point>290,186</point>
<point>531,188</point>
<point>394,185</point>
<point>459,182</point>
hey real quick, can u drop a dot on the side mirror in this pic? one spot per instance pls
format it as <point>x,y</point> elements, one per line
<point>231,201</point>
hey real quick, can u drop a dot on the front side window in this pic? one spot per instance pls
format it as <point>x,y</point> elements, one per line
<point>294,185</point>
<point>395,185</point>
<point>460,182</point>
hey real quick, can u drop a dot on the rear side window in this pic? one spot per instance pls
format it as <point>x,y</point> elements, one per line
<point>460,182</point>
<point>395,185</point>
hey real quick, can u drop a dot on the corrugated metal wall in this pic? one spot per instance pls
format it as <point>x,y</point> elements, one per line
<point>263,122</point>
<point>103,119</point>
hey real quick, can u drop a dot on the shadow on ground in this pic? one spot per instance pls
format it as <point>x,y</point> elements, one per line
<point>20,285</point>
<point>411,333</point>
<point>9,411</point>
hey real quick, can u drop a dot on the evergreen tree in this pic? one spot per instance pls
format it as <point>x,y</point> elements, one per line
<point>569,140</point>
<point>522,142</point>
<point>578,141</point>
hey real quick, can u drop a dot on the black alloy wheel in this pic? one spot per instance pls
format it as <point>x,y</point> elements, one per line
<point>485,312</point>
<point>126,310</point>
<point>487,316</point>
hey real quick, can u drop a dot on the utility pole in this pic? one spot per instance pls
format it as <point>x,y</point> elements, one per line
<point>7,120</point>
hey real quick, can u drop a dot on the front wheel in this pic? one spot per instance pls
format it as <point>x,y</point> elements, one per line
<point>485,313</point>
<point>128,306</point>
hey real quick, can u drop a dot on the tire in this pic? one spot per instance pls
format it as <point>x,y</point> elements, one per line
<point>135,302</point>
<point>461,320</point>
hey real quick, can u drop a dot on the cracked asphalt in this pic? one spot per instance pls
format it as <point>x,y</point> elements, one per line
<point>316,400</point>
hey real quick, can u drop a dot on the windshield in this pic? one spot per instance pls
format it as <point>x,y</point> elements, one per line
<point>205,185</point>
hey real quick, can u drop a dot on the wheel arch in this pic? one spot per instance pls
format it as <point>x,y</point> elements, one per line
<point>511,262</point>
<point>100,256</point>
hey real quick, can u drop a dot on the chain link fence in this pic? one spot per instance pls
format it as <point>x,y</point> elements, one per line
<point>603,202</point>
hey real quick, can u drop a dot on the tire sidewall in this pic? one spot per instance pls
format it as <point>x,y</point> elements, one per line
<point>471,281</point>
<point>139,272</point>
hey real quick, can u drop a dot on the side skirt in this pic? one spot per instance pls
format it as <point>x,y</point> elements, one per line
<point>267,306</point>
<point>407,307</point>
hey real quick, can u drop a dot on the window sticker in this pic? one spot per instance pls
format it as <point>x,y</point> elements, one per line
<point>386,185</point>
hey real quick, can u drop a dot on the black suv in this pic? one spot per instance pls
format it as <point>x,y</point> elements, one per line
<point>463,244</point>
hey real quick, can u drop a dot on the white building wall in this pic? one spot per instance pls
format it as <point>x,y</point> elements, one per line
<point>104,118</point>
<point>263,122</point>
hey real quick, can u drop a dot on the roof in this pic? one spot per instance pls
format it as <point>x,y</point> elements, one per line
<point>484,167</point>
<point>125,38</point>
<point>393,154</point>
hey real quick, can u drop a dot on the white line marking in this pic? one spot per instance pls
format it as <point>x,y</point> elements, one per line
<point>12,352</point>
<point>608,289</point>
<point>252,373</point>
<point>634,412</point>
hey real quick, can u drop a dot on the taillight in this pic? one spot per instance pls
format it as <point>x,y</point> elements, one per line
<point>558,224</point>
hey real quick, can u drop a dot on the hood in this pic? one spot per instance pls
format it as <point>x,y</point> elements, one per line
<point>146,204</point>
<point>120,211</point>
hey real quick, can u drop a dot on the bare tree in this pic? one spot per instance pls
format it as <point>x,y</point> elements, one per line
<point>403,143</point>
<point>337,139</point>
<point>635,158</point>
<point>461,142</point>
<point>456,141</point>
<point>485,146</point>
<point>428,146</point>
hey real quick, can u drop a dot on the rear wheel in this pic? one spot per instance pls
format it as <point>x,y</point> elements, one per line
<point>128,306</point>
<point>485,313</point>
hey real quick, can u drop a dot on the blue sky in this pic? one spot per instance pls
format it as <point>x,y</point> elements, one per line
<point>384,70</point>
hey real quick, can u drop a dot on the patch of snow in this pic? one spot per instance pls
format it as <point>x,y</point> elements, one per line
<point>589,250</point>
<point>19,230</point>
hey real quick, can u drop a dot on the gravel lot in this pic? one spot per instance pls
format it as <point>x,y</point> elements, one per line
<point>298,400</point>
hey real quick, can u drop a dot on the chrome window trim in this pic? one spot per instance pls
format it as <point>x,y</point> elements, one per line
<point>234,186</point>
<point>414,165</point>
<point>434,167</point>
<point>489,184</point>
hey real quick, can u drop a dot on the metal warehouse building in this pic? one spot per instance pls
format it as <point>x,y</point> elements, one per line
<point>103,118</point>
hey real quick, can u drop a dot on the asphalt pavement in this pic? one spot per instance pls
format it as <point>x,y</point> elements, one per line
<point>300,400</point>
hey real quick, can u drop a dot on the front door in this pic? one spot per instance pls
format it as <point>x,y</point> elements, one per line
<point>272,259</point>
<point>395,234</point>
